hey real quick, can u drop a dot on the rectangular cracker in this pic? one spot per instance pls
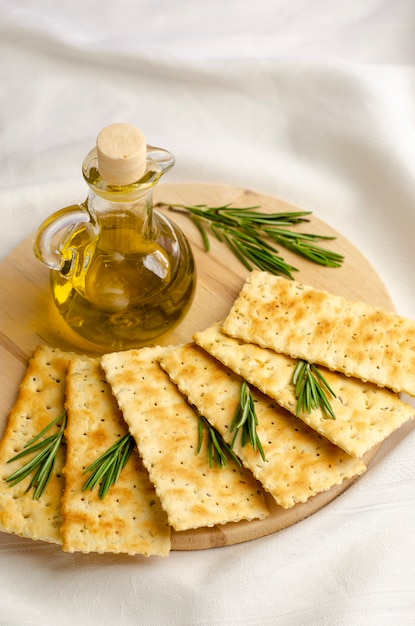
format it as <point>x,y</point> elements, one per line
<point>40,400</point>
<point>365,413</point>
<point>349,337</point>
<point>299,462</point>
<point>165,427</point>
<point>130,518</point>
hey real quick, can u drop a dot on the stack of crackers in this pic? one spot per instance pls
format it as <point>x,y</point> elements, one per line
<point>157,394</point>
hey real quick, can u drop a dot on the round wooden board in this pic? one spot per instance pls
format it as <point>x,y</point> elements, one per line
<point>29,319</point>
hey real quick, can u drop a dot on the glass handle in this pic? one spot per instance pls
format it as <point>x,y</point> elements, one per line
<point>46,244</point>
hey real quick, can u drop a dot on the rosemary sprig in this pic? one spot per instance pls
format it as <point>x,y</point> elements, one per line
<point>218,450</point>
<point>253,252</point>
<point>43,463</point>
<point>107,468</point>
<point>251,235</point>
<point>246,421</point>
<point>311,389</point>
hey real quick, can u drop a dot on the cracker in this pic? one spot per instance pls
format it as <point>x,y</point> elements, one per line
<point>165,427</point>
<point>349,337</point>
<point>299,462</point>
<point>40,400</point>
<point>365,413</point>
<point>130,518</point>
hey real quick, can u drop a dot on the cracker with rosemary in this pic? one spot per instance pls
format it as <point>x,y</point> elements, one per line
<point>129,519</point>
<point>365,413</point>
<point>40,400</point>
<point>299,463</point>
<point>166,428</point>
<point>345,336</point>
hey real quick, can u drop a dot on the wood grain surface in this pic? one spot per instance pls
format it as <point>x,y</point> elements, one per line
<point>28,318</point>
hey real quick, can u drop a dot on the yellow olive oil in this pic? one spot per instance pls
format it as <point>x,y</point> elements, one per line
<point>124,299</point>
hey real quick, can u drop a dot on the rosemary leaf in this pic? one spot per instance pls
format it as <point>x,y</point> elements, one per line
<point>311,389</point>
<point>201,424</point>
<point>210,453</point>
<point>199,225</point>
<point>217,445</point>
<point>256,217</point>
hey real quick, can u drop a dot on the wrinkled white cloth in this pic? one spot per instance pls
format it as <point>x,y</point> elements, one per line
<point>312,102</point>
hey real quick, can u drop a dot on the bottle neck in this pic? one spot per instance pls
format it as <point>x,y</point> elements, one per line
<point>102,207</point>
<point>121,226</point>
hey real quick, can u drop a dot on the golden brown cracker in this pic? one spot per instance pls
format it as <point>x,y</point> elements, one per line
<point>345,336</point>
<point>129,519</point>
<point>40,400</point>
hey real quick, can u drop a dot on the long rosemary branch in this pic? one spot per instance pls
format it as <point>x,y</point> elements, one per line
<point>251,234</point>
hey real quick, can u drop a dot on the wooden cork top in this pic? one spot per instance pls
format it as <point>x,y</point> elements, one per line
<point>121,152</point>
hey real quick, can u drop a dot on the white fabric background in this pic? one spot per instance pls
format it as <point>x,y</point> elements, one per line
<point>311,101</point>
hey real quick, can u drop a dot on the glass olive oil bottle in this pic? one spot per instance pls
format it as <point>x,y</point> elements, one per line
<point>122,274</point>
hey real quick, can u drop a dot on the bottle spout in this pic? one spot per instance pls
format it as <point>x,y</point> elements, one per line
<point>163,158</point>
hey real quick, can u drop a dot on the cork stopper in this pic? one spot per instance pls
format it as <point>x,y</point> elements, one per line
<point>121,152</point>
